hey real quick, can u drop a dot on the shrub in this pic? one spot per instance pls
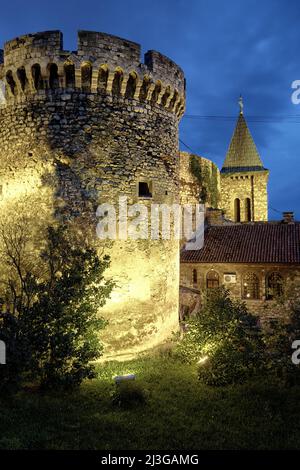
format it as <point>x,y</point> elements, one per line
<point>224,339</point>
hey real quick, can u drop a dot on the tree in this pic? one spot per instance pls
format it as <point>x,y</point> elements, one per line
<point>57,310</point>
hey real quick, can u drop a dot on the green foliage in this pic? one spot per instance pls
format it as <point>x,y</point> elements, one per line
<point>208,181</point>
<point>129,394</point>
<point>55,319</point>
<point>225,341</point>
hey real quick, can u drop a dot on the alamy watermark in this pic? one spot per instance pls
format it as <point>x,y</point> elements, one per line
<point>295,98</point>
<point>2,352</point>
<point>155,221</point>
<point>296,354</point>
<point>2,92</point>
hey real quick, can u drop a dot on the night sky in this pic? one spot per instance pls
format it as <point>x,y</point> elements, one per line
<point>226,48</point>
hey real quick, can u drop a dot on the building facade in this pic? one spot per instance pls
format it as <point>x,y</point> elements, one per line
<point>258,263</point>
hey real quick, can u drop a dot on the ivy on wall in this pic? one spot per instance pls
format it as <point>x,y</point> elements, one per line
<point>207,178</point>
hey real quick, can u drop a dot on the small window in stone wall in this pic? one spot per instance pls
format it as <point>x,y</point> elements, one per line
<point>250,286</point>
<point>145,189</point>
<point>195,276</point>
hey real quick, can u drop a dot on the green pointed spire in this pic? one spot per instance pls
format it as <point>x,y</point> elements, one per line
<point>242,153</point>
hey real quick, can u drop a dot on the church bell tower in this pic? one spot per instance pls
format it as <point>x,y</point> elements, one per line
<point>244,196</point>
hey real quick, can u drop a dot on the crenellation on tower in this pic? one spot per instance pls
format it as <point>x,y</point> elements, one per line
<point>36,65</point>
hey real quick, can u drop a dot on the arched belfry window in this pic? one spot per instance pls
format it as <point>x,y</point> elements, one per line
<point>274,286</point>
<point>212,279</point>
<point>248,209</point>
<point>250,286</point>
<point>237,210</point>
<point>53,76</point>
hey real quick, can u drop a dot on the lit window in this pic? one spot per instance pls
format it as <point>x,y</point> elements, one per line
<point>250,286</point>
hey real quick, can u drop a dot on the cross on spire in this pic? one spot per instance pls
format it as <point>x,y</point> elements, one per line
<point>241,104</point>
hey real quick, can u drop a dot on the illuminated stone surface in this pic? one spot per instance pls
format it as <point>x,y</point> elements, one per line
<point>81,128</point>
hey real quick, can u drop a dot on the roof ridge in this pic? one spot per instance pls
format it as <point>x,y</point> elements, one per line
<point>242,151</point>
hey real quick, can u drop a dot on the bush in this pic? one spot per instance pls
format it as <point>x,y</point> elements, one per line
<point>53,332</point>
<point>129,394</point>
<point>224,339</point>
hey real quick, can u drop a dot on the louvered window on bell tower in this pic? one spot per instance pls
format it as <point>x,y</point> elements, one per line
<point>248,209</point>
<point>237,210</point>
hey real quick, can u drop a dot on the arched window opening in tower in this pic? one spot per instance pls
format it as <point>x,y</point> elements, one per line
<point>165,96</point>
<point>237,210</point>
<point>195,277</point>
<point>37,76</point>
<point>11,82</point>
<point>86,78</point>
<point>131,85</point>
<point>102,79</point>
<point>173,100</point>
<point>155,93</point>
<point>274,286</point>
<point>117,83</point>
<point>53,77</point>
<point>212,280</point>
<point>250,286</point>
<point>248,209</point>
<point>144,88</point>
<point>69,75</point>
<point>21,74</point>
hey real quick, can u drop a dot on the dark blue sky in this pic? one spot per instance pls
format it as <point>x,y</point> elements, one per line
<point>225,47</point>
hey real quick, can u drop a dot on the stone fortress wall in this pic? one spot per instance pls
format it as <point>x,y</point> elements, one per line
<point>82,128</point>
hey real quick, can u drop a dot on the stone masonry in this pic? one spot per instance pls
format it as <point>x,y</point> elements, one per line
<point>79,129</point>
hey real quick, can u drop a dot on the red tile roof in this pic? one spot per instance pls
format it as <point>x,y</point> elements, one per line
<point>248,243</point>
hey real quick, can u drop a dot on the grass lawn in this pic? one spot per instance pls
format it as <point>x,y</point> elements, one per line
<point>180,414</point>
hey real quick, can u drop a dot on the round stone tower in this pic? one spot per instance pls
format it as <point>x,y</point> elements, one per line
<point>79,129</point>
